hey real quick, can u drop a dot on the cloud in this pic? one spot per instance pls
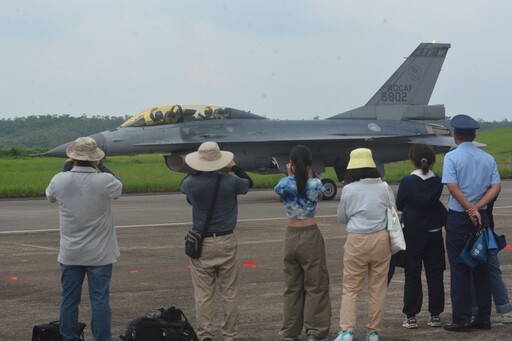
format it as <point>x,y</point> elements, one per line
<point>284,59</point>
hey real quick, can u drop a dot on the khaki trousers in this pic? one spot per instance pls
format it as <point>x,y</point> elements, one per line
<point>306,298</point>
<point>365,255</point>
<point>217,266</point>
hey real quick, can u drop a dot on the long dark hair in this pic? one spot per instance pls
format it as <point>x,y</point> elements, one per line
<point>357,174</point>
<point>422,157</point>
<point>300,156</point>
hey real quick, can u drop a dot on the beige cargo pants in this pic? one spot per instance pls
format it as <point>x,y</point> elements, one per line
<point>366,254</point>
<point>218,267</point>
<point>306,298</point>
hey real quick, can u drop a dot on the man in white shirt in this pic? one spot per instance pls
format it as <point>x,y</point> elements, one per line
<point>88,242</point>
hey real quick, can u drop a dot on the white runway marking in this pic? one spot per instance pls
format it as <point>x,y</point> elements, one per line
<point>188,223</point>
<point>154,225</point>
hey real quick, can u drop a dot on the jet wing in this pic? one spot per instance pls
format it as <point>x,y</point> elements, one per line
<point>444,141</point>
<point>434,140</point>
<point>268,139</point>
<point>317,140</point>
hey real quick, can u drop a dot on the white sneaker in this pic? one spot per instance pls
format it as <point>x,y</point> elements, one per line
<point>410,323</point>
<point>434,321</point>
<point>506,318</point>
<point>372,336</point>
<point>345,336</point>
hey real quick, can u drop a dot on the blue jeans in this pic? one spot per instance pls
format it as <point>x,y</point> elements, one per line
<point>98,279</point>
<point>498,288</point>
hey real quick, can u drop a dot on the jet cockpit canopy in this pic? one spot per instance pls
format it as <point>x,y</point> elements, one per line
<point>172,114</point>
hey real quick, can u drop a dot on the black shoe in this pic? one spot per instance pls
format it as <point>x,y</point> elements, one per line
<point>481,325</point>
<point>208,339</point>
<point>457,327</point>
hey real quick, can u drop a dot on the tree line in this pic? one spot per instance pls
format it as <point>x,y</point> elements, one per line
<point>48,131</point>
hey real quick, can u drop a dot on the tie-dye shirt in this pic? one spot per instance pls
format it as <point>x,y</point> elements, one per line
<point>299,206</point>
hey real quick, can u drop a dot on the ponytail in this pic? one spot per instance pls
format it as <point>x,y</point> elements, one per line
<point>301,176</point>
<point>300,156</point>
<point>425,167</point>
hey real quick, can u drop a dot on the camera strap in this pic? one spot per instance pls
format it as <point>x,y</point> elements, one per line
<point>212,206</point>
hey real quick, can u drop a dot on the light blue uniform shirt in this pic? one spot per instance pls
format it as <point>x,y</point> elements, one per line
<point>299,206</point>
<point>472,170</point>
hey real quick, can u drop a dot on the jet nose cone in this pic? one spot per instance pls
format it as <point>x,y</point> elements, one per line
<point>59,151</point>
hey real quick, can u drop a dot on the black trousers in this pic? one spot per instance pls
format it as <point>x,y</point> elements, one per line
<point>424,248</point>
<point>457,227</point>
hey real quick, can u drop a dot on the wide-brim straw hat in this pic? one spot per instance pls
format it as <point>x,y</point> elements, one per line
<point>208,158</point>
<point>85,149</point>
<point>361,158</point>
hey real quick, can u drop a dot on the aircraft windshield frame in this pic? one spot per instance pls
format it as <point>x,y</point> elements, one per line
<point>172,114</point>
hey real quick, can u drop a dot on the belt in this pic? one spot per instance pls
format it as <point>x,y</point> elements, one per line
<point>217,234</point>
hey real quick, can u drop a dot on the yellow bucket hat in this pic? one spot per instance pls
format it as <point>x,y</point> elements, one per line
<point>361,158</point>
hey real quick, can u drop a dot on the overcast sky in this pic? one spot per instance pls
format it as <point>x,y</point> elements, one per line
<point>292,59</point>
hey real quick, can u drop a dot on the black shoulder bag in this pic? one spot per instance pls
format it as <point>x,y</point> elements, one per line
<point>194,239</point>
<point>51,331</point>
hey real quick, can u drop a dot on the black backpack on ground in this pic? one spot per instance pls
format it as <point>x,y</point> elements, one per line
<point>163,325</point>
<point>51,331</point>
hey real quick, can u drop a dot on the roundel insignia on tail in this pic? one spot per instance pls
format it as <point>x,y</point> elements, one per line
<point>414,72</point>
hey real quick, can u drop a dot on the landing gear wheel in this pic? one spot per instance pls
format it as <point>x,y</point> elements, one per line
<point>330,189</point>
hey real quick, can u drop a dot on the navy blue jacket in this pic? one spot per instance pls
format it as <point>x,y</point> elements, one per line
<point>419,202</point>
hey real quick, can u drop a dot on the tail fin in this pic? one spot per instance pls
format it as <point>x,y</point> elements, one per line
<point>414,81</point>
<point>405,95</point>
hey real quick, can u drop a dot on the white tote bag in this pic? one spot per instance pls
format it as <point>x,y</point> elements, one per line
<point>396,235</point>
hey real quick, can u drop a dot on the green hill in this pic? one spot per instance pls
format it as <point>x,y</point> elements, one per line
<point>47,131</point>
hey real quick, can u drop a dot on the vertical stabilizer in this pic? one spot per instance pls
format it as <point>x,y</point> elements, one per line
<point>414,81</point>
<point>406,94</point>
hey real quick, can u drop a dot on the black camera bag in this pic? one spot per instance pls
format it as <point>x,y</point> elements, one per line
<point>51,331</point>
<point>163,325</point>
<point>193,244</point>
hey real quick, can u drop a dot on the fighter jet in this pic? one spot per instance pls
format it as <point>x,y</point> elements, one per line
<point>387,124</point>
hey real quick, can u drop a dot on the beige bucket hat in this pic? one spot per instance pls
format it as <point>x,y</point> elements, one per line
<point>208,158</point>
<point>361,158</point>
<point>85,149</point>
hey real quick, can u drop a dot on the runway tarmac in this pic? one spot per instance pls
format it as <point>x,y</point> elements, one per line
<point>153,271</point>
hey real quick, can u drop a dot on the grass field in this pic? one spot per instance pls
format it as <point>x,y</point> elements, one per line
<point>29,176</point>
